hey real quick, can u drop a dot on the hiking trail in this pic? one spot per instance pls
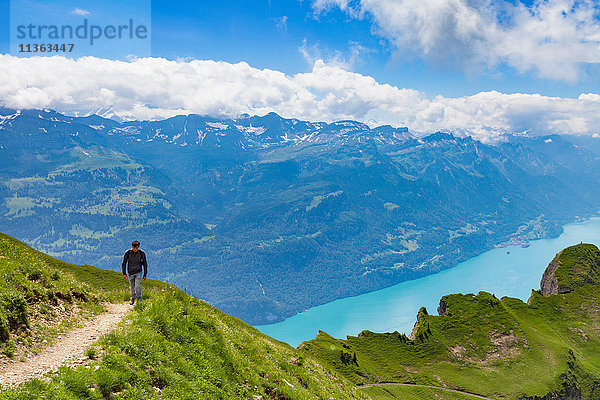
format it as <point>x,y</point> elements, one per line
<point>423,386</point>
<point>68,349</point>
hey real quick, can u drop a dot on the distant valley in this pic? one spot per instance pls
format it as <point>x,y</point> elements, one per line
<point>264,217</point>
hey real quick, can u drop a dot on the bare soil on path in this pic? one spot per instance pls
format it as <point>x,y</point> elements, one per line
<point>424,386</point>
<point>68,349</point>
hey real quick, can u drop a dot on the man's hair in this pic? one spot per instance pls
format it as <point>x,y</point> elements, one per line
<point>135,243</point>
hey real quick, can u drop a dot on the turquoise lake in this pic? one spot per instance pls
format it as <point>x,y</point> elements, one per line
<point>395,308</point>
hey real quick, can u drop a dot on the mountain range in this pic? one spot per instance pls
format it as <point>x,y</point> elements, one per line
<point>264,217</point>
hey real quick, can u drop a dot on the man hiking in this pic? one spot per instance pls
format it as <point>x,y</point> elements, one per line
<point>135,258</point>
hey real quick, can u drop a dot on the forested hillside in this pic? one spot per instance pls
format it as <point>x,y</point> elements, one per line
<point>264,217</point>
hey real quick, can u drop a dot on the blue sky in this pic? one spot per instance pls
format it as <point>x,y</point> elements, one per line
<point>250,31</point>
<point>76,13</point>
<point>271,33</point>
<point>481,67</point>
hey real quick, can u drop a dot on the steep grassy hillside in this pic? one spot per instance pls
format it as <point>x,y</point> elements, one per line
<point>499,348</point>
<point>172,346</point>
<point>175,346</point>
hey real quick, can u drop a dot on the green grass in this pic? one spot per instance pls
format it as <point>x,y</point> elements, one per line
<point>182,348</point>
<point>30,284</point>
<point>503,349</point>
<point>412,393</point>
<point>98,158</point>
<point>40,276</point>
<point>172,346</point>
<point>23,206</point>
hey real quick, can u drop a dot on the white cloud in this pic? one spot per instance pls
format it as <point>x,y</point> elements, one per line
<point>310,52</point>
<point>589,97</point>
<point>153,88</point>
<point>553,38</point>
<point>80,11</point>
<point>355,55</point>
<point>281,22</point>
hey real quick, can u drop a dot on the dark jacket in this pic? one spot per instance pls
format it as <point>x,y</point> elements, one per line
<point>134,262</point>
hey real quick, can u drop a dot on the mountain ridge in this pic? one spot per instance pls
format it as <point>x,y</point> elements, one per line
<point>499,348</point>
<point>291,217</point>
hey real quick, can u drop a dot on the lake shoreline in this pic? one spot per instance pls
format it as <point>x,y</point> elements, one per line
<point>308,321</point>
<point>551,229</point>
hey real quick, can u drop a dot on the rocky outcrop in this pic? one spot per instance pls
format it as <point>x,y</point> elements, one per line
<point>575,266</point>
<point>443,309</point>
<point>549,283</point>
<point>422,312</point>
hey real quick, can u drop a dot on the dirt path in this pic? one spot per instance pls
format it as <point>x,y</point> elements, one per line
<point>67,349</point>
<point>424,386</point>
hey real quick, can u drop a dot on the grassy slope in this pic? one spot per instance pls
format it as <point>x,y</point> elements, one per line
<point>412,393</point>
<point>175,346</point>
<point>503,349</point>
<point>172,346</point>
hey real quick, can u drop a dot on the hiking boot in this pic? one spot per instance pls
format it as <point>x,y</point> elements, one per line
<point>131,302</point>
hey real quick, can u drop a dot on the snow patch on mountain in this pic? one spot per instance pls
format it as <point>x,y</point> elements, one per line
<point>130,130</point>
<point>252,130</point>
<point>201,136</point>
<point>217,125</point>
<point>5,118</point>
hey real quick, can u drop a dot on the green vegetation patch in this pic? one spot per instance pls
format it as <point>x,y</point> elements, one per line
<point>177,347</point>
<point>32,287</point>
<point>499,348</point>
<point>24,206</point>
<point>172,346</point>
<point>388,392</point>
<point>579,266</point>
